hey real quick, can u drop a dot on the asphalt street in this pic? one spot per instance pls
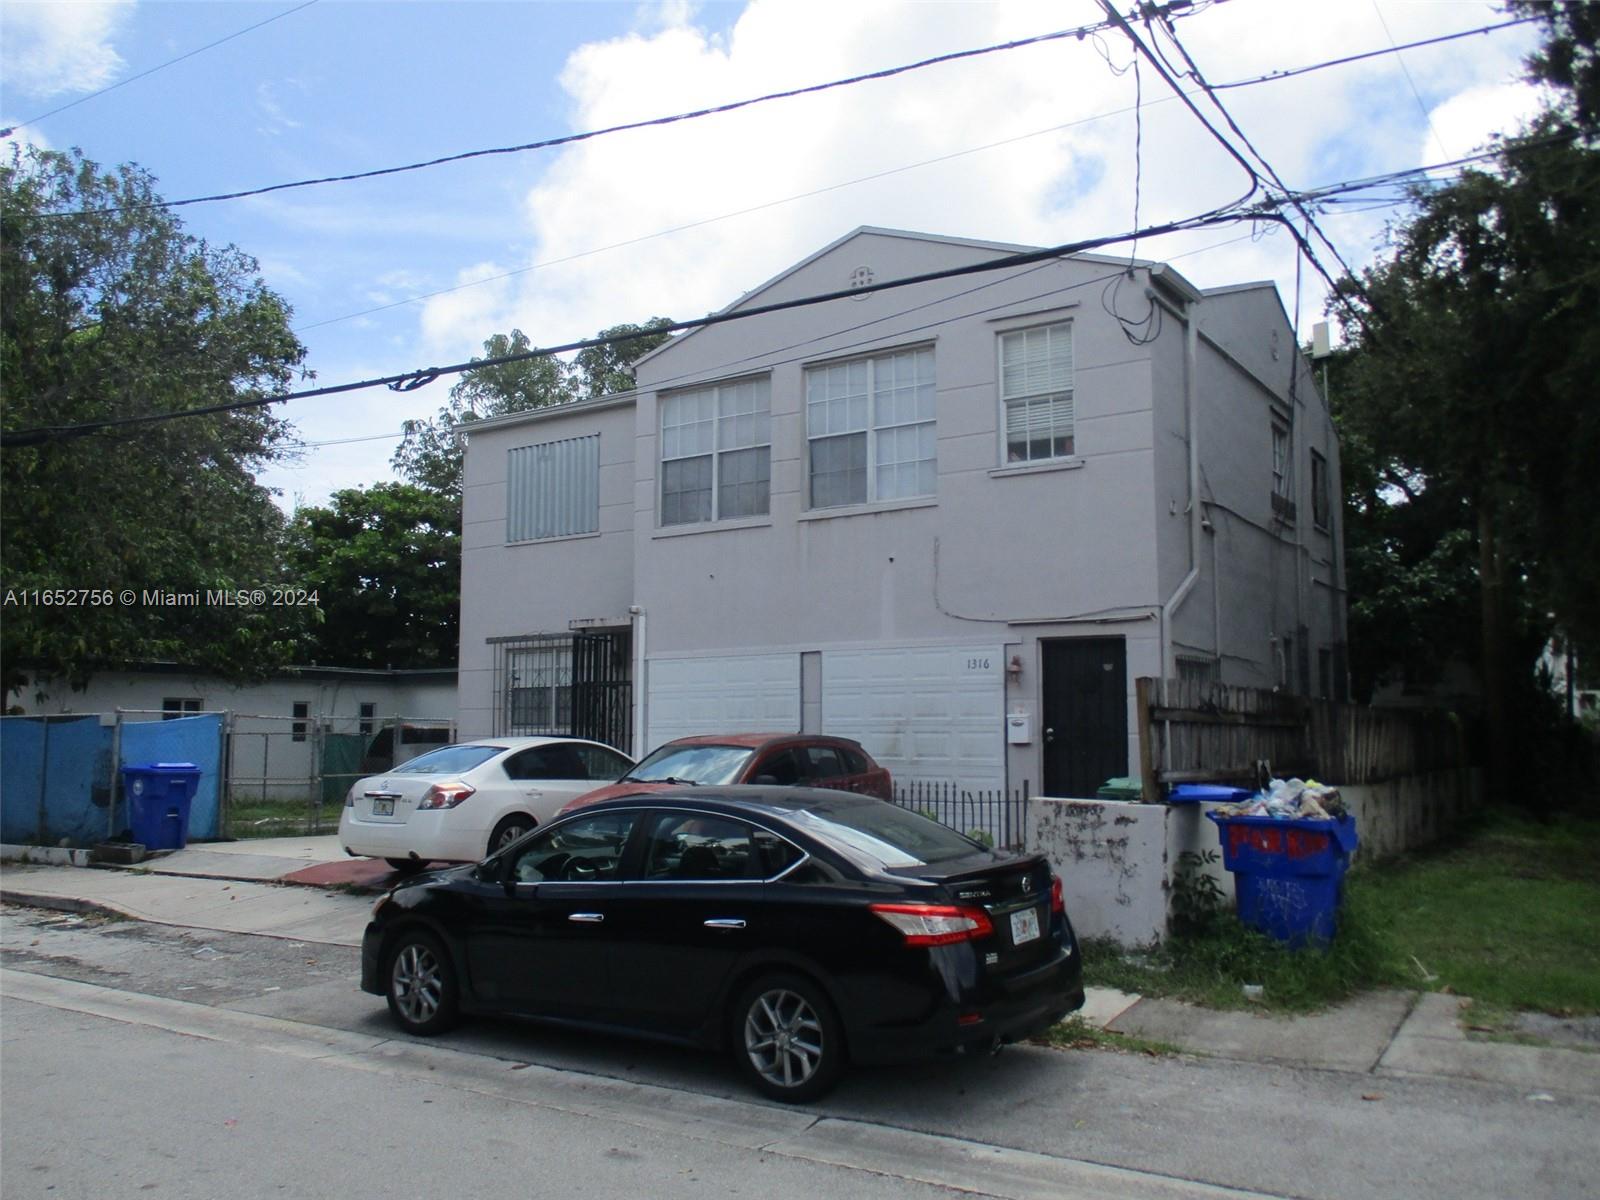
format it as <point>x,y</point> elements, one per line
<point>190,1024</point>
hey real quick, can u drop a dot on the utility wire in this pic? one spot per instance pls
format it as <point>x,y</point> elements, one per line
<point>288,12</point>
<point>411,380</point>
<point>1300,239</point>
<point>1116,112</point>
<point>1275,76</point>
<point>1264,210</point>
<point>568,139</point>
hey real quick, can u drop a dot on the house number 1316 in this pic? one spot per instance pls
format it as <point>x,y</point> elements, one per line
<point>977,664</point>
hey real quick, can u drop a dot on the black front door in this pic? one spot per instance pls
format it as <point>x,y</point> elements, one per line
<point>1085,714</point>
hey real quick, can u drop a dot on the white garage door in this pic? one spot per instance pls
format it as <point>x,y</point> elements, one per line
<point>935,714</point>
<point>749,693</point>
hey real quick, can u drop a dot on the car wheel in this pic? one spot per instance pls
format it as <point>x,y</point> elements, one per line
<point>509,830</point>
<point>406,866</point>
<point>786,1038</point>
<point>422,991</point>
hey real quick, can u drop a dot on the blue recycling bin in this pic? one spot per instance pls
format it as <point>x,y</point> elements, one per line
<point>159,796</point>
<point>1288,873</point>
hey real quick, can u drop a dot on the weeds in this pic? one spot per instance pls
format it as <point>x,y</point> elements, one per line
<point>1509,914</point>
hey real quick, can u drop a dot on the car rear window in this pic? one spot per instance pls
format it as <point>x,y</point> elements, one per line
<point>709,766</point>
<point>895,837</point>
<point>448,760</point>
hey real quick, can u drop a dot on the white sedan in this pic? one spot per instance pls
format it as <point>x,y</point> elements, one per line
<point>463,802</point>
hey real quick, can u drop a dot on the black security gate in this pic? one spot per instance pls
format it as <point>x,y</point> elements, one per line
<point>565,684</point>
<point>601,693</point>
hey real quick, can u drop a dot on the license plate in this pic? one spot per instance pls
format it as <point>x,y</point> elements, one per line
<point>1024,926</point>
<point>385,808</point>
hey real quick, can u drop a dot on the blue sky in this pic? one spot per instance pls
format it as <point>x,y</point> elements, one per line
<point>1030,146</point>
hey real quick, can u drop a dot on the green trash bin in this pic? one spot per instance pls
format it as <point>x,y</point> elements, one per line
<point>1123,787</point>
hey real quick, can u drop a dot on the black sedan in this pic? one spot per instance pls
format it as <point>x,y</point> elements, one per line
<point>797,928</point>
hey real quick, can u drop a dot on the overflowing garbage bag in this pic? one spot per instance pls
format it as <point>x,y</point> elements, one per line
<point>1290,798</point>
<point>1288,847</point>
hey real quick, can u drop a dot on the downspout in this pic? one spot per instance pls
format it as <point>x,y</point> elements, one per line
<point>640,694</point>
<point>1191,344</point>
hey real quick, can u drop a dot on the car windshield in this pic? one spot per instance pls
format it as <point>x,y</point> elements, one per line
<point>709,766</point>
<point>448,760</point>
<point>892,836</point>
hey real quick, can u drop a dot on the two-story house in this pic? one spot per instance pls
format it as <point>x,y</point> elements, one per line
<point>953,520</point>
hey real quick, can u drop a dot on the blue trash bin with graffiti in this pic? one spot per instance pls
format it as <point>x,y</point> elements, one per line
<point>1288,873</point>
<point>159,796</point>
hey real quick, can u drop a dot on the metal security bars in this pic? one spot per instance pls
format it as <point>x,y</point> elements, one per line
<point>565,685</point>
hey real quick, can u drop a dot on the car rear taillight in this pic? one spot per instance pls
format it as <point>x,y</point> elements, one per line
<point>1058,903</point>
<point>935,924</point>
<point>444,795</point>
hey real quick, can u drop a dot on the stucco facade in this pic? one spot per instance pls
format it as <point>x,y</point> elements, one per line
<point>987,623</point>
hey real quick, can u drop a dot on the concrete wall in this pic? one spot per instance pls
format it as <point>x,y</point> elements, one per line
<point>1002,554</point>
<point>512,590</point>
<point>263,746</point>
<point>1117,861</point>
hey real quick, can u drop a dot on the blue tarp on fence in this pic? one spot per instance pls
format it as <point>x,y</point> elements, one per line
<point>196,740</point>
<point>55,780</point>
<point>55,777</point>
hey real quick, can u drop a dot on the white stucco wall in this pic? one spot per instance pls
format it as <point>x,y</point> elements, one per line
<point>1117,861</point>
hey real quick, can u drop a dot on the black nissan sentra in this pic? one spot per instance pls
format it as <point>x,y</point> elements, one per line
<point>796,928</point>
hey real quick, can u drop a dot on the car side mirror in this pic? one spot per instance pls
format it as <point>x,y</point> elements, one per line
<point>765,781</point>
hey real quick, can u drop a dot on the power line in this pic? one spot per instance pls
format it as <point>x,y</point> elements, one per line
<point>1116,112</point>
<point>1300,239</point>
<point>1427,117</point>
<point>1275,76</point>
<point>288,12</point>
<point>569,139</point>
<point>411,380</point>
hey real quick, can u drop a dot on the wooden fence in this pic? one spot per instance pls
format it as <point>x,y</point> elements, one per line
<point>1193,732</point>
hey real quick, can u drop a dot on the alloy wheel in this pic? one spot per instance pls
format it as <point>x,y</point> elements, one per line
<point>783,1037</point>
<point>417,983</point>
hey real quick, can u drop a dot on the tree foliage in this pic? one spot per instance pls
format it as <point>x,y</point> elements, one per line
<point>1467,403</point>
<point>386,561</point>
<point>109,309</point>
<point>431,455</point>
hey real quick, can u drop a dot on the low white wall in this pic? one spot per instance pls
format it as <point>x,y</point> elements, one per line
<point>1117,860</point>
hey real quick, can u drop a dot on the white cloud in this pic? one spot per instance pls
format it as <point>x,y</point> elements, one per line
<point>1465,122</point>
<point>1052,188</point>
<point>54,49</point>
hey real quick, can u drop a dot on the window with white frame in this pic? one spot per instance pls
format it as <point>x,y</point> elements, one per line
<point>716,452</point>
<point>1036,391</point>
<point>1282,503</point>
<point>553,489</point>
<point>870,429</point>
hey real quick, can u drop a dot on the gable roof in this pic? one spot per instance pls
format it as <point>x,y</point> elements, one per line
<point>1000,250</point>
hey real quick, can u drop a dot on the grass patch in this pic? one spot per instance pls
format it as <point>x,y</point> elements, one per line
<point>1075,1033</point>
<point>280,818</point>
<point>1508,914</point>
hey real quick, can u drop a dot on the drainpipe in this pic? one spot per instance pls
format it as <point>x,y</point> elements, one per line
<point>1191,345</point>
<point>640,695</point>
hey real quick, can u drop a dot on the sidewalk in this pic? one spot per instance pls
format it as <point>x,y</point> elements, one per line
<point>249,887</point>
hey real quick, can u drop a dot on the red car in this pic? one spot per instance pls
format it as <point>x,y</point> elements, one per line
<point>781,759</point>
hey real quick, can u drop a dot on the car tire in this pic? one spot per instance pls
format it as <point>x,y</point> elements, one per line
<point>786,1038</point>
<point>509,830</point>
<point>420,984</point>
<point>406,866</point>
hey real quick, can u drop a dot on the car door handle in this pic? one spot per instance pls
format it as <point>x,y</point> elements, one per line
<point>725,923</point>
<point>587,918</point>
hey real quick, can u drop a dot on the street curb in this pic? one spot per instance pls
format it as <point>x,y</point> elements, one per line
<point>71,904</point>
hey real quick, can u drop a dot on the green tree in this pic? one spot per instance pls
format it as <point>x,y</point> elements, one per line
<point>1470,390</point>
<point>386,563</point>
<point>431,455</point>
<point>108,309</point>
